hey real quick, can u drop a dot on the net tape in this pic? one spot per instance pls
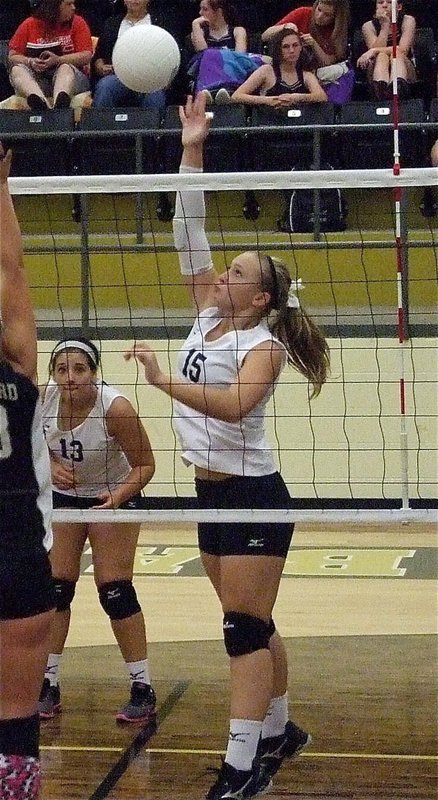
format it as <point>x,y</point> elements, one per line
<point>225,181</point>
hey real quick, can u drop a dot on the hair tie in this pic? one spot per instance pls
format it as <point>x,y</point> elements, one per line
<point>73,344</point>
<point>292,298</point>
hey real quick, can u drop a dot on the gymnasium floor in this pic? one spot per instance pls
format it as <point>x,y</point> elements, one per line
<point>358,610</point>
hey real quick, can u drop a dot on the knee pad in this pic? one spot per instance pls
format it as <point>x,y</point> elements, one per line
<point>118,599</point>
<point>64,593</point>
<point>244,634</point>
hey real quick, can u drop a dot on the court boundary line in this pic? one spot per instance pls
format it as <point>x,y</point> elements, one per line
<point>130,753</point>
<point>188,751</point>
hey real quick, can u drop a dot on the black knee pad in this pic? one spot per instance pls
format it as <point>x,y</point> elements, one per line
<point>244,634</point>
<point>64,593</point>
<point>271,627</point>
<point>20,737</point>
<point>118,599</point>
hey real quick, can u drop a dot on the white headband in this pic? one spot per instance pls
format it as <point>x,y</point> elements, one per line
<point>73,344</point>
<point>292,299</point>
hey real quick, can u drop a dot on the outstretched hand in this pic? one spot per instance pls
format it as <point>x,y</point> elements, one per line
<point>5,164</point>
<point>195,122</point>
<point>146,356</point>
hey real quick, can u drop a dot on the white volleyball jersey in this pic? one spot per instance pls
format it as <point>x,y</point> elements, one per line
<point>239,448</point>
<point>98,462</point>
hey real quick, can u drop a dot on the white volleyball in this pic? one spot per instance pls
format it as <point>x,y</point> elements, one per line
<point>146,58</point>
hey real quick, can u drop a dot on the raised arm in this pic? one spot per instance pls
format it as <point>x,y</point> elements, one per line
<point>18,330</point>
<point>189,220</point>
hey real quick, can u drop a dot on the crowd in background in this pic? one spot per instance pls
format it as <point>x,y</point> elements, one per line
<point>254,14</point>
<point>282,52</point>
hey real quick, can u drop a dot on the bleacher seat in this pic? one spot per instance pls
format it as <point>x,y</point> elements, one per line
<point>224,150</point>
<point>373,147</point>
<point>46,155</point>
<point>113,154</point>
<point>284,149</point>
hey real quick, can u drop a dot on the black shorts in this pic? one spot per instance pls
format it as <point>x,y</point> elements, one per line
<point>26,584</point>
<point>244,538</point>
<point>61,500</point>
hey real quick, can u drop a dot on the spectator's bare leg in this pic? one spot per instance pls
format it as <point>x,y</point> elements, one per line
<point>64,81</point>
<point>381,67</point>
<point>24,83</point>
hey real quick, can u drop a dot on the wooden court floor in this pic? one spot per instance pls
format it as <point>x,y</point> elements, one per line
<point>358,609</point>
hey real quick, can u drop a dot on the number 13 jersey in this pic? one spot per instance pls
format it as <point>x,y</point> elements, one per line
<point>98,462</point>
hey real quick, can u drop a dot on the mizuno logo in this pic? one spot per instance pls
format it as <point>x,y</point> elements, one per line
<point>228,625</point>
<point>256,543</point>
<point>235,737</point>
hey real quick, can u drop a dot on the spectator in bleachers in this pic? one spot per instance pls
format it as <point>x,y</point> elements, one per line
<point>216,27</point>
<point>377,59</point>
<point>221,63</point>
<point>109,91</point>
<point>95,12</point>
<point>323,28</point>
<point>49,55</point>
<point>285,82</point>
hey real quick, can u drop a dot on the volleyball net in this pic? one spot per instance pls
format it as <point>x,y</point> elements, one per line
<point>102,264</point>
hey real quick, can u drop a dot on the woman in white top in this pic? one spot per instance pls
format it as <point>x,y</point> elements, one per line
<point>249,325</point>
<point>100,458</point>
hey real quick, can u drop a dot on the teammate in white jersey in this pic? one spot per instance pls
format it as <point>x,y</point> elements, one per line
<point>249,325</point>
<point>101,458</point>
<point>27,597</point>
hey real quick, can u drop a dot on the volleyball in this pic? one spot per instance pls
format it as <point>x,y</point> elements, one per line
<point>146,58</point>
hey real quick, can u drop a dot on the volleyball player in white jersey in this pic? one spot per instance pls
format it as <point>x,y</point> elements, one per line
<point>249,325</point>
<point>100,457</point>
<point>27,596</point>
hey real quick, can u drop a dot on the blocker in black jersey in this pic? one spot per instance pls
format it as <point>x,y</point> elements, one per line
<point>25,489</point>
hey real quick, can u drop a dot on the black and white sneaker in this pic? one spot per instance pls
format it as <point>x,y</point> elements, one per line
<point>233,783</point>
<point>273,751</point>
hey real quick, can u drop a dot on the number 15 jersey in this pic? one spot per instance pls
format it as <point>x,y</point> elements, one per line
<point>238,448</point>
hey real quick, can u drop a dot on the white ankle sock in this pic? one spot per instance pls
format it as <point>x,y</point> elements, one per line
<point>52,668</point>
<point>276,717</point>
<point>242,743</point>
<point>139,671</point>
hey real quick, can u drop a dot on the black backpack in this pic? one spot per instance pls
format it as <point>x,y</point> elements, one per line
<point>298,216</point>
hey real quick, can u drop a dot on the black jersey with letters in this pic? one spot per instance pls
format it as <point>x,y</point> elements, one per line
<point>25,483</point>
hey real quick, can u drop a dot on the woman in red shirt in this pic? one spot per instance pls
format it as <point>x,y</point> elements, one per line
<point>323,28</point>
<point>49,55</point>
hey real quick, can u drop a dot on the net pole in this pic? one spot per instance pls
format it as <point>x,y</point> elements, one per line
<point>401,321</point>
